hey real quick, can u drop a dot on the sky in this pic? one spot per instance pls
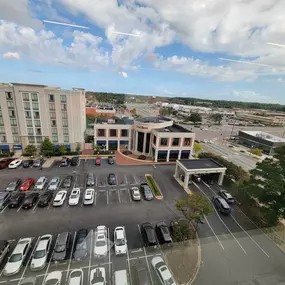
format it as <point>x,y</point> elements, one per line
<point>160,48</point>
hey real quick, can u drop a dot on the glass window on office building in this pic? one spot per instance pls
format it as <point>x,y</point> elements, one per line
<point>2,130</point>
<point>28,114</point>
<point>65,131</point>
<point>63,107</point>
<point>54,138</point>
<point>39,139</point>
<point>13,122</point>
<point>36,114</point>
<point>29,123</point>
<point>66,138</point>
<point>31,139</point>
<point>62,98</point>
<point>64,115</point>
<point>12,114</point>
<point>51,106</point>
<point>34,96</point>
<point>52,114</point>
<point>37,123</point>
<point>10,104</point>
<point>175,141</point>
<point>0,112</point>
<point>51,97</point>
<point>54,131</point>
<point>14,130</point>
<point>25,96</point>
<point>3,138</point>
<point>163,141</point>
<point>16,139</point>
<point>113,132</point>
<point>30,131</point>
<point>9,96</point>
<point>27,105</point>
<point>124,133</point>
<point>1,122</point>
<point>64,123</point>
<point>35,106</point>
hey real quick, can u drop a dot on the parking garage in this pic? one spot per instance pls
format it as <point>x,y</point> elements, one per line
<point>207,167</point>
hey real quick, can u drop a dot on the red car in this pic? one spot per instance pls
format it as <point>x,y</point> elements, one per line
<point>27,184</point>
<point>98,161</point>
<point>5,162</point>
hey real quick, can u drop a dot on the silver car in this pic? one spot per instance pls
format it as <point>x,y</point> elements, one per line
<point>41,183</point>
<point>54,184</point>
<point>13,185</point>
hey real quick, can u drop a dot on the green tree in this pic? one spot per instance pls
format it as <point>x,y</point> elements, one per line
<point>133,111</point>
<point>181,231</point>
<point>47,147</point>
<point>195,118</point>
<point>78,148</point>
<point>194,207</point>
<point>217,118</point>
<point>30,150</point>
<point>165,111</point>
<point>97,148</point>
<point>256,151</point>
<point>62,149</point>
<point>197,147</point>
<point>174,112</point>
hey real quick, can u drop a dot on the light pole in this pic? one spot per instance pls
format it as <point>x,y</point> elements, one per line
<point>153,168</point>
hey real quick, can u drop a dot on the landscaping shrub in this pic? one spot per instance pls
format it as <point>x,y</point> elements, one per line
<point>142,157</point>
<point>152,185</point>
<point>127,152</point>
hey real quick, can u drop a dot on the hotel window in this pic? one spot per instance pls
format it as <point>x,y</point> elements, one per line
<point>64,115</point>
<point>2,138</point>
<point>64,123</point>
<point>14,130</point>
<point>9,96</point>
<point>52,115</point>
<point>0,112</point>
<point>35,106</point>
<point>2,130</point>
<point>54,131</point>
<point>124,133</point>
<point>101,132</point>
<point>30,131</point>
<point>10,104</point>
<point>38,131</point>
<point>25,96</point>
<point>113,132</point>
<point>31,139</point>
<point>29,123</point>
<point>51,97</point>
<point>163,141</point>
<point>51,106</point>
<point>65,131</point>
<point>12,114</point>
<point>1,122</point>
<point>175,141</point>
<point>53,123</point>
<point>13,122</point>
<point>63,107</point>
<point>62,98</point>
<point>28,114</point>
<point>154,139</point>
<point>34,96</point>
<point>187,142</point>
<point>27,106</point>
<point>16,139</point>
<point>37,123</point>
<point>54,138</point>
<point>66,138</point>
<point>36,114</point>
<point>39,139</point>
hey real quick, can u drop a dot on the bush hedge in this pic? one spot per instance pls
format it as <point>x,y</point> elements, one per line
<point>142,157</point>
<point>152,185</point>
<point>8,154</point>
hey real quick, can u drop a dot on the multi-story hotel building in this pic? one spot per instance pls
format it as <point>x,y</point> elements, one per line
<point>156,137</point>
<point>30,112</point>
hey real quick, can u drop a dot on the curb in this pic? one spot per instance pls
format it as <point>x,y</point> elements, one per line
<point>197,268</point>
<point>158,197</point>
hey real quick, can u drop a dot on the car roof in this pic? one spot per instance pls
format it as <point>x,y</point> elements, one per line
<point>21,245</point>
<point>33,195</point>
<point>61,192</point>
<point>120,232</point>
<point>223,202</point>
<point>42,243</point>
<point>3,194</point>
<point>28,180</point>
<point>55,178</point>
<point>75,191</point>
<point>41,178</point>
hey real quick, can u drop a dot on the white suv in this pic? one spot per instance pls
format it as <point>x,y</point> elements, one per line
<point>41,183</point>
<point>120,241</point>
<point>101,243</point>
<point>74,197</point>
<point>162,271</point>
<point>88,196</point>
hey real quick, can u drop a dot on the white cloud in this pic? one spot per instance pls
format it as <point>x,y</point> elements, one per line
<point>249,96</point>
<point>281,80</point>
<point>11,55</point>
<point>123,74</point>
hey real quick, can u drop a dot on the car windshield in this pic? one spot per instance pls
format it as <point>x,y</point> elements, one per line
<point>52,282</point>
<point>120,242</point>
<point>53,182</point>
<point>39,254</point>
<point>82,245</point>
<point>12,183</point>
<point>60,248</point>
<point>169,281</point>
<point>15,257</point>
<point>100,243</point>
<point>74,196</point>
<point>26,183</point>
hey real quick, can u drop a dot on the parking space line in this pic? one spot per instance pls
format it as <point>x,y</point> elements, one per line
<point>95,197</point>
<point>20,208</point>
<point>109,252</point>
<point>119,196</point>
<point>70,258</point>
<point>128,261</point>
<point>135,178</point>
<point>107,197</point>
<point>4,208</point>
<point>36,205</point>
<point>91,252</point>
<point>214,233</point>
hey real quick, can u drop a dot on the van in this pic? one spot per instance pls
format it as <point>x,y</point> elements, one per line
<point>121,277</point>
<point>4,249</point>
<point>221,205</point>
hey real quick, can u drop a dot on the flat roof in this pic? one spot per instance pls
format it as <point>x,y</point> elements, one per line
<point>174,129</point>
<point>153,120</point>
<point>202,163</point>
<point>265,136</point>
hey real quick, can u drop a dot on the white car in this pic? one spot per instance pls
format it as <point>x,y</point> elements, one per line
<point>120,241</point>
<point>41,253</point>
<point>136,194</point>
<point>162,271</point>
<point>101,244</point>
<point>15,261</point>
<point>53,184</point>
<point>98,276</point>
<point>74,197</point>
<point>41,183</point>
<point>89,196</point>
<point>53,278</point>
<point>59,198</point>
<point>15,163</point>
<point>76,277</point>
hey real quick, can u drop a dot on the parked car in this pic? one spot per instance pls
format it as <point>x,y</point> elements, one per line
<point>45,199</point>
<point>97,161</point>
<point>120,241</point>
<point>74,161</point>
<point>27,184</point>
<point>89,196</point>
<point>28,163</point>
<point>59,198</point>
<point>65,162</point>
<point>111,160</point>
<point>13,185</point>
<point>41,253</point>
<point>146,192</point>
<point>227,196</point>
<point>4,162</point>
<point>148,234</point>
<point>15,163</point>
<point>76,277</point>
<point>38,162</point>
<point>16,259</point>
<point>74,197</point>
<point>30,200</point>
<point>90,181</point>
<point>16,200</point>
<point>67,181</point>
<point>221,205</point>
<point>53,184</point>
<point>53,278</point>
<point>41,183</point>
<point>100,243</point>
<point>4,199</point>
<point>4,249</point>
<point>61,247</point>
<point>81,249</point>
<point>163,233</point>
<point>196,178</point>
<point>112,179</point>
<point>135,193</point>
<point>162,271</point>
<point>98,276</point>
<point>141,274</point>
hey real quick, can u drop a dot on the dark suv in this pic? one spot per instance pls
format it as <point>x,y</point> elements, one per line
<point>28,163</point>
<point>112,179</point>
<point>61,247</point>
<point>67,182</point>
<point>148,234</point>
<point>221,205</point>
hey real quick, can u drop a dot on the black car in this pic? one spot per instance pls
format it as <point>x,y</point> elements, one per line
<point>221,205</point>
<point>67,182</point>
<point>148,234</point>
<point>74,161</point>
<point>111,160</point>
<point>28,163</point>
<point>31,200</point>
<point>16,200</point>
<point>65,162</point>
<point>45,199</point>
<point>38,162</point>
<point>163,233</point>
<point>80,247</point>
<point>61,247</point>
<point>112,179</point>
<point>13,185</point>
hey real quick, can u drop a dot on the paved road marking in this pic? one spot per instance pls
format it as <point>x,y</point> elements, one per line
<point>221,219</point>
<point>214,233</point>
<point>20,206</point>
<point>4,208</point>
<point>128,261</point>
<point>70,258</point>
<point>119,196</point>
<point>108,238</point>
<point>95,197</point>
<point>90,253</point>
<point>107,197</point>
<point>36,204</point>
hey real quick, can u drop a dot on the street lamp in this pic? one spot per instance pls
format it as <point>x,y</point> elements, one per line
<point>153,168</point>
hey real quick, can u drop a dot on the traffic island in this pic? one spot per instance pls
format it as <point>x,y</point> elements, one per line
<point>154,187</point>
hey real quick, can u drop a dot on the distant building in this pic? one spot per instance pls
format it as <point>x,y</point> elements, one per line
<point>267,120</point>
<point>258,139</point>
<point>100,111</point>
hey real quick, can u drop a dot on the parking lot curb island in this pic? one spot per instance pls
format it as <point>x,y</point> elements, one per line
<point>158,197</point>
